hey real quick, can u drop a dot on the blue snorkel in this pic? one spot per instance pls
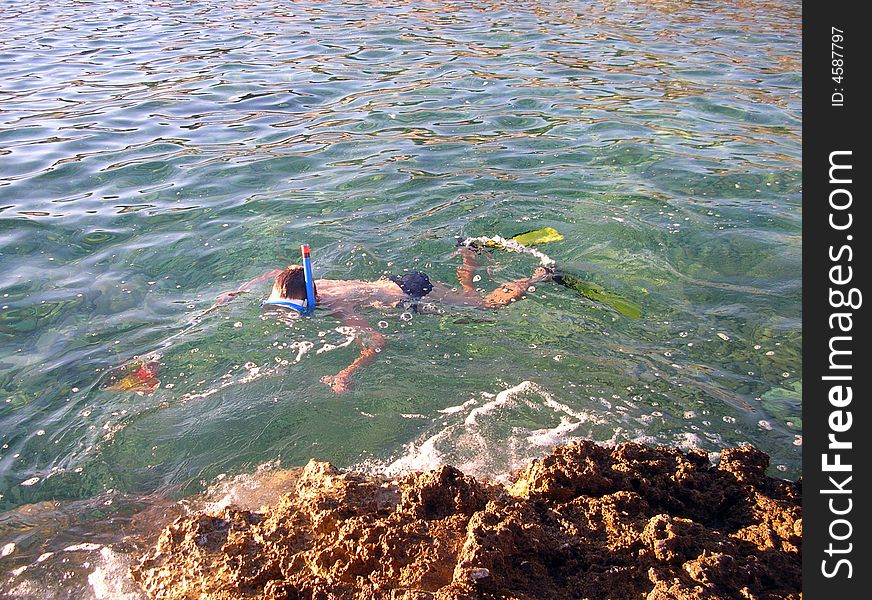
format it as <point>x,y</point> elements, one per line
<point>308,307</point>
<point>310,281</point>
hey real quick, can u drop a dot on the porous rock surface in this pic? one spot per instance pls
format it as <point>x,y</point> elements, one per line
<point>587,521</point>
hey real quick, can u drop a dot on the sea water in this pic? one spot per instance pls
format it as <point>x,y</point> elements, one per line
<point>156,154</point>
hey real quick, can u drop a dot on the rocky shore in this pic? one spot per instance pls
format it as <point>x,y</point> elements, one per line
<point>586,521</point>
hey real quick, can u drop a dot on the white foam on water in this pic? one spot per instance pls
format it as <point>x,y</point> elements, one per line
<point>302,348</point>
<point>111,578</point>
<point>56,575</point>
<point>7,549</point>
<point>480,436</point>
<point>18,571</point>
<point>25,589</point>
<point>559,407</point>
<point>418,457</point>
<point>450,410</point>
<point>86,547</point>
<point>350,334</point>
<point>509,246</point>
<point>250,491</point>
<point>648,440</point>
<point>553,437</point>
<point>687,441</point>
<point>504,398</point>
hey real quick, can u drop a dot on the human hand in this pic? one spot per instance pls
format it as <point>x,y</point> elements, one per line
<point>541,274</point>
<point>226,297</point>
<point>505,294</point>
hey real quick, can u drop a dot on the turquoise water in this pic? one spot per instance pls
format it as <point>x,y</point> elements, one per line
<point>156,154</point>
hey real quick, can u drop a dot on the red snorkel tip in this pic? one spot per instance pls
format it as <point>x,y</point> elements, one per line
<point>305,250</point>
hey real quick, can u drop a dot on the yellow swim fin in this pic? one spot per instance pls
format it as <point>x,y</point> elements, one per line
<point>539,236</point>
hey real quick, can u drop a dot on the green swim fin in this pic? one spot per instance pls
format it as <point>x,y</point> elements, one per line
<point>591,291</point>
<point>539,236</point>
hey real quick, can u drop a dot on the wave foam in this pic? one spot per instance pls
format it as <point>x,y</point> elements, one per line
<point>493,434</point>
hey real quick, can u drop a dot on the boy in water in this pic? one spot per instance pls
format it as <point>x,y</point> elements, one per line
<point>342,297</point>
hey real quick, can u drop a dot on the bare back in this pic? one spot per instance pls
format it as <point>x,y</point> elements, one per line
<point>342,294</point>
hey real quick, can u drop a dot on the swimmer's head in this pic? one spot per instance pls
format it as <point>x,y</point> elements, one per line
<point>291,284</point>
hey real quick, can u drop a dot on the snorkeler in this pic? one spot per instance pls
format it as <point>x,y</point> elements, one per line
<point>343,298</point>
<point>295,288</point>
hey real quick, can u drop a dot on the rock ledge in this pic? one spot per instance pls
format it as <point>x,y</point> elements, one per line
<point>587,521</point>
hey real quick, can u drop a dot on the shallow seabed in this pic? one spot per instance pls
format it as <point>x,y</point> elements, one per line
<point>155,154</point>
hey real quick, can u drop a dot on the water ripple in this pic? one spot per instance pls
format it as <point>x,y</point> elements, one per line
<point>155,154</point>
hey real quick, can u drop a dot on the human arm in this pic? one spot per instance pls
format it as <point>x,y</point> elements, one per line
<point>514,290</point>
<point>227,296</point>
<point>503,294</point>
<point>371,343</point>
<point>466,271</point>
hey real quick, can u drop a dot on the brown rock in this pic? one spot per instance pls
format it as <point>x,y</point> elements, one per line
<point>584,522</point>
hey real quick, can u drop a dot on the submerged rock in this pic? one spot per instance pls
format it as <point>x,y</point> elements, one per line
<point>586,521</point>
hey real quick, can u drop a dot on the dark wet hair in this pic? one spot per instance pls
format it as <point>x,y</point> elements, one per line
<point>291,283</point>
